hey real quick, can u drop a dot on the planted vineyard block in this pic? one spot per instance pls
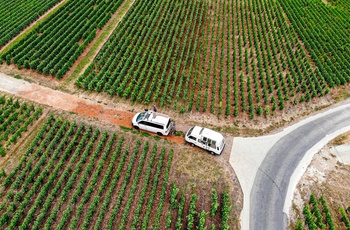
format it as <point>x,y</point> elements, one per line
<point>63,37</point>
<point>15,119</point>
<point>167,53</point>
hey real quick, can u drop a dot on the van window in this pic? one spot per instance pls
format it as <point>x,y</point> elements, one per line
<point>143,122</point>
<point>140,116</point>
<point>212,143</point>
<point>150,124</point>
<point>157,126</point>
<point>192,138</point>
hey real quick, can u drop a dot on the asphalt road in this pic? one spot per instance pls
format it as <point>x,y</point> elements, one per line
<point>270,186</point>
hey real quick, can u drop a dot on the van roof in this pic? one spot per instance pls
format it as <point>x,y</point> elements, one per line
<point>197,130</point>
<point>156,117</point>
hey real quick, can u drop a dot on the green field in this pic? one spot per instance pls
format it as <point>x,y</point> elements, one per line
<point>17,15</point>
<point>53,46</point>
<point>77,176</point>
<point>227,57</point>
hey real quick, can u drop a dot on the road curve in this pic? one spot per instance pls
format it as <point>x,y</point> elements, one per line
<point>269,190</point>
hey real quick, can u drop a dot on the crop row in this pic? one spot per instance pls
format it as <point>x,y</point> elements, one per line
<point>116,71</point>
<point>56,44</point>
<point>17,15</point>
<point>318,215</point>
<point>340,4</point>
<point>71,172</point>
<point>252,62</point>
<point>328,44</point>
<point>219,210</point>
<point>15,118</point>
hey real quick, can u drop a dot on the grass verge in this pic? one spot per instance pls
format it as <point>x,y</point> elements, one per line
<point>101,40</point>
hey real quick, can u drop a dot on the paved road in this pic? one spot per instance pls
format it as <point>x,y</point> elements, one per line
<point>269,190</point>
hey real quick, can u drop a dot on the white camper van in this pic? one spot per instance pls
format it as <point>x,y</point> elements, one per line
<point>154,122</point>
<point>207,139</point>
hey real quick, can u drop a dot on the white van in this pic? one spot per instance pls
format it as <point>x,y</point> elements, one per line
<point>207,139</point>
<point>154,122</point>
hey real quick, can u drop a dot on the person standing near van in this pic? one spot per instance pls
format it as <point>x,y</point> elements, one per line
<point>154,108</point>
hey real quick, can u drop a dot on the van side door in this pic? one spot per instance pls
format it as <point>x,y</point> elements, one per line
<point>204,143</point>
<point>143,125</point>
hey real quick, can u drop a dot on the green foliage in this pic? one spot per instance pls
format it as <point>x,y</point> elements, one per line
<point>316,211</point>
<point>2,151</point>
<point>192,212</point>
<point>178,223</point>
<point>173,201</point>
<point>16,20</point>
<point>68,165</point>
<point>344,217</point>
<point>201,225</point>
<point>2,173</point>
<point>168,220</point>
<point>309,219</point>
<point>62,38</point>
<point>15,118</point>
<point>214,203</point>
<point>225,211</point>
<point>300,225</point>
<point>189,69</point>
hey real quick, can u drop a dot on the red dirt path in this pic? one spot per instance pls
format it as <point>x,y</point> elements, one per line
<point>72,103</point>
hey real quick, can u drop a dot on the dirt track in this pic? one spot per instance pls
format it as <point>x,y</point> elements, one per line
<point>69,102</point>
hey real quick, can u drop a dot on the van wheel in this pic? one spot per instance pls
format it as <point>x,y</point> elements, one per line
<point>136,127</point>
<point>212,153</point>
<point>160,134</point>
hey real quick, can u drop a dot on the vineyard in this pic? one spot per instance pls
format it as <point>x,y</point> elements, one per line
<point>17,15</point>
<point>76,176</point>
<point>224,57</point>
<point>328,44</point>
<point>318,215</point>
<point>53,46</point>
<point>15,118</point>
<point>234,59</point>
<point>340,4</point>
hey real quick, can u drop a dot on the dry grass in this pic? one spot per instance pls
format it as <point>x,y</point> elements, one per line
<point>197,165</point>
<point>342,139</point>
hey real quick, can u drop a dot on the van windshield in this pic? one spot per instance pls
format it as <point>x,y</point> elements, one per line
<point>140,116</point>
<point>167,125</point>
<point>189,131</point>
